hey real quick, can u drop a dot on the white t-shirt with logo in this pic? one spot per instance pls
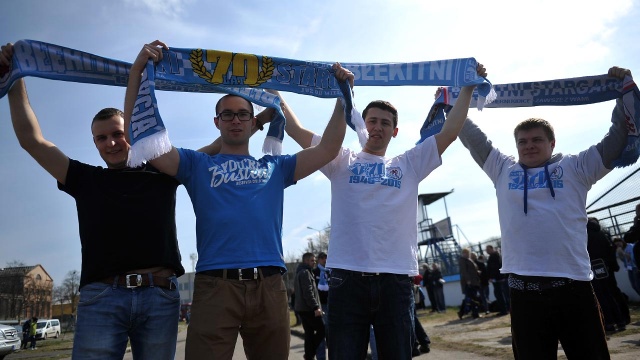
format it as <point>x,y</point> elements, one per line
<point>374,208</point>
<point>551,239</point>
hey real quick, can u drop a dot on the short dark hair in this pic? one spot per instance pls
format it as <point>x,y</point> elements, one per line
<point>231,95</point>
<point>535,123</point>
<point>322,255</point>
<point>382,105</point>
<point>306,256</point>
<point>106,114</point>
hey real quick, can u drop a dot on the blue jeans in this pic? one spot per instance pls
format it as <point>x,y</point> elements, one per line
<point>321,354</point>
<point>501,292</point>
<point>634,278</point>
<point>372,345</point>
<point>109,315</point>
<point>357,301</point>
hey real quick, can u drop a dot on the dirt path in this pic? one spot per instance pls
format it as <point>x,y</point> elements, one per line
<point>489,337</point>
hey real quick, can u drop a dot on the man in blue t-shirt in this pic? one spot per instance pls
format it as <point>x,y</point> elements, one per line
<point>238,202</point>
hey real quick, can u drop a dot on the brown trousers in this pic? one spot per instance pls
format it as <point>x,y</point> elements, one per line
<point>257,309</point>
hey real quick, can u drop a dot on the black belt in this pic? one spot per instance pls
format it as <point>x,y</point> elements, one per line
<point>244,274</point>
<point>140,280</point>
<point>536,283</point>
<point>364,273</point>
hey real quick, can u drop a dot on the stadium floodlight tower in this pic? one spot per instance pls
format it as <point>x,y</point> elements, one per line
<point>436,242</point>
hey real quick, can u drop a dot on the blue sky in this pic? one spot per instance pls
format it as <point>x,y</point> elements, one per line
<point>537,40</point>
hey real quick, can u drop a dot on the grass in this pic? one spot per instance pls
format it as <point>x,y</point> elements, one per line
<point>61,347</point>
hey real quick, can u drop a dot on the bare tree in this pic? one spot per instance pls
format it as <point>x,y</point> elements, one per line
<point>15,263</point>
<point>59,298</point>
<point>194,259</point>
<point>70,290</point>
<point>12,293</point>
<point>37,295</point>
<point>320,243</point>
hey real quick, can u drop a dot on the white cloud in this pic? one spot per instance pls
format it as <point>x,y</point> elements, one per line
<point>172,8</point>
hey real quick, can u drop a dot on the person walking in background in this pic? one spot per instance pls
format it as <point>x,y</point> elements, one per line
<point>33,326</point>
<point>26,327</point>
<point>308,306</point>
<point>484,281</point>
<point>633,235</point>
<point>470,284</point>
<point>631,239</point>
<point>499,281</point>
<point>420,297</point>
<point>322,274</point>
<point>437,283</point>
<point>421,343</point>
<point>427,281</point>
<point>604,265</point>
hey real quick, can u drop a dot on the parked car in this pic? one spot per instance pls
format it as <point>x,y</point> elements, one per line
<point>9,340</point>
<point>20,335</point>
<point>48,329</point>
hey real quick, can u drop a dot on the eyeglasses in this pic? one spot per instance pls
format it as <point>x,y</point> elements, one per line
<point>228,115</point>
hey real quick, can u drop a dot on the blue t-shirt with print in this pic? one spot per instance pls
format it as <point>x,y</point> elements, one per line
<point>238,203</point>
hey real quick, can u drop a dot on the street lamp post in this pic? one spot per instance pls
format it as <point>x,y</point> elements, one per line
<point>319,232</point>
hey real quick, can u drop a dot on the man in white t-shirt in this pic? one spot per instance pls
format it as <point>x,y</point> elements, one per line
<point>373,247</point>
<point>541,206</point>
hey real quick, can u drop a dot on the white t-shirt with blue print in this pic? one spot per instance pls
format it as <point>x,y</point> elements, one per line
<point>374,206</point>
<point>238,203</point>
<point>551,239</point>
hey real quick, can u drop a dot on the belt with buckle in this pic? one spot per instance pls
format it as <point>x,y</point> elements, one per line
<point>243,274</point>
<point>536,283</point>
<point>131,281</point>
<point>368,273</point>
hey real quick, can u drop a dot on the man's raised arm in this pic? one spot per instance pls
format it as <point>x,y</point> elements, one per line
<point>615,141</point>
<point>169,162</point>
<point>313,158</point>
<point>293,127</point>
<point>457,115</point>
<point>27,129</point>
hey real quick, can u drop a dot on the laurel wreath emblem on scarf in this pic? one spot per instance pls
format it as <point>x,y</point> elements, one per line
<point>199,69</point>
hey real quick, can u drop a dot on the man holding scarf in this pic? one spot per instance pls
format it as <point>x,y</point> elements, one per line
<point>373,247</point>
<point>128,285</point>
<point>238,284</point>
<point>541,206</point>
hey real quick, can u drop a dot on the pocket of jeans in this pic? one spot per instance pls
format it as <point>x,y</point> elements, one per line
<point>337,279</point>
<point>174,294</point>
<point>403,279</point>
<point>93,292</point>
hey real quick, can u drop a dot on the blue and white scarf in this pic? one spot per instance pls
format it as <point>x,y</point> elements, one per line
<point>323,285</point>
<point>246,75</point>
<point>561,92</point>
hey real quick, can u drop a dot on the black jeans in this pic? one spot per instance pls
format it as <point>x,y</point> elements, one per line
<point>569,313</point>
<point>313,332</point>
